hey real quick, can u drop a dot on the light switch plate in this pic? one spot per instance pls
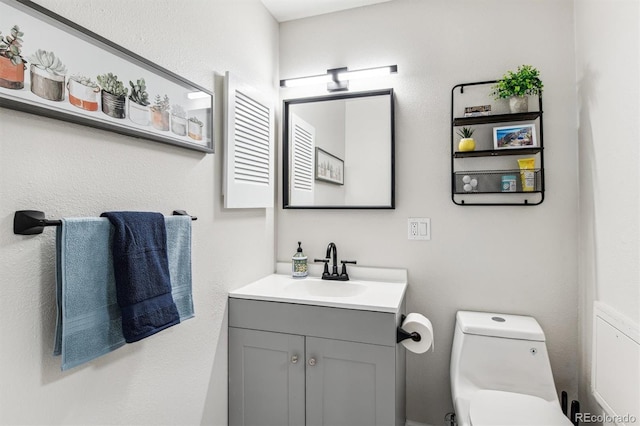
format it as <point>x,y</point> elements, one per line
<point>419,228</point>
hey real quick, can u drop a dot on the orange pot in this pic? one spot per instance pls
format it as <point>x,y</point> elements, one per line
<point>11,76</point>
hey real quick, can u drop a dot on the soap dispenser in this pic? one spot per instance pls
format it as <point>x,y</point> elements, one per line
<point>299,268</point>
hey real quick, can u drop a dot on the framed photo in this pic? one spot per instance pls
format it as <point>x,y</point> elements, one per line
<point>329,168</point>
<point>514,137</point>
<point>52,67</point>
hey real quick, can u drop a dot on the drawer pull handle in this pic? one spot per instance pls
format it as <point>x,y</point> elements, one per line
<point>294,359</point>
<point>312,361</point>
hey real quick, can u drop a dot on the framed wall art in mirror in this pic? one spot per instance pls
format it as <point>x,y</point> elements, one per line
<point>338,151</point>
<point>53,67</point>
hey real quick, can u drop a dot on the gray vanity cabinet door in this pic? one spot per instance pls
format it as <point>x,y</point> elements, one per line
<point>266,378</point>
<point>350,384</point>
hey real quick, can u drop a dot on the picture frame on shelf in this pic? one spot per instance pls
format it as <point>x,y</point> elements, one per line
<point>69,73</point>
<point>329,168</point>
<point>515,137</point>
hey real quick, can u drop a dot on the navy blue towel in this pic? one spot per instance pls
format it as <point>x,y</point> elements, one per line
<point>141,269</point>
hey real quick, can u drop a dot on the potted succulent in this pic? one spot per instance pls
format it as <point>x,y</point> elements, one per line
<point>114,95</point>
<point>178,120</point>
<point>48,75</point>
<point>160,113</point>
<point>516,86</point>
<point>12,64</point>
<point>139,103</point>
<point>467,143</point>
<point>83,92</point>
<point>195,128</point>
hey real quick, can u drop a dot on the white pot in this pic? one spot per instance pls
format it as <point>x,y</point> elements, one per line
<point>139,114</point>
<point>82,96</point>
<point>519,104</point>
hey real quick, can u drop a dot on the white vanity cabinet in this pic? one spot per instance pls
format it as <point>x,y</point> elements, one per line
<point>298,364</point>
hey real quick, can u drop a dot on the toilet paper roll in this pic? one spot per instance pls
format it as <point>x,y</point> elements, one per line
<point>420,324</point>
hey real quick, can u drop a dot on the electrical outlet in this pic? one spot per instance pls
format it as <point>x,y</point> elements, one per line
<point>419,228</point>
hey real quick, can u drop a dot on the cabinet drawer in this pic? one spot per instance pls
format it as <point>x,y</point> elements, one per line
<point>377,328</point>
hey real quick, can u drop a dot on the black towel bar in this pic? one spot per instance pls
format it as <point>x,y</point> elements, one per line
<point>31,222</point>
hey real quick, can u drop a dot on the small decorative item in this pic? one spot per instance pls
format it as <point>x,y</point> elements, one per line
<point>515,137</point>
<point>467,143</point>
<point>12,64</point>
<point>160,113</point>
<point>509,183</point>
<point>195,128</point>
<point>470,184</point>
<point>477,111</point>
<point>114,95</point>
<point>329,168</point>
<point>178,120</point>
<point>48,75</point>
<point>139,102</point>
<point>516,86</point>
<point>83,92</point>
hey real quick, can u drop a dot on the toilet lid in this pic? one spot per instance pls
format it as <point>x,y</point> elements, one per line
<point>496,408</point>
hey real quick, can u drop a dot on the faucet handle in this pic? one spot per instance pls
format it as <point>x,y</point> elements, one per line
<point>343,273</point>
<point>326,265</point>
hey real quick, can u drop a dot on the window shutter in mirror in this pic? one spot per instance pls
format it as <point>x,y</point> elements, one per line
<point>249,154</point>
<point>302,165</point>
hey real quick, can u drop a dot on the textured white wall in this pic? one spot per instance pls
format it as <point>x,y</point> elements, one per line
<point>608,75</point>
<point>505,259</point>
<point>180,375</point>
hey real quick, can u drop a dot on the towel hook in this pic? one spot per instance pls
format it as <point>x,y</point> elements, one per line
<point>32,222</point>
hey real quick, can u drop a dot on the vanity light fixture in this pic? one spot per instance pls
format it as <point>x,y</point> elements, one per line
<point>337,79</point>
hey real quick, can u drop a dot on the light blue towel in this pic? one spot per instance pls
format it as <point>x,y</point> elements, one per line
<point>89,323</point>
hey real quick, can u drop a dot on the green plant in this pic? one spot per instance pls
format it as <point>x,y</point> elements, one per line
<point>48,61</point>
<point>11,46</point>
<point>161,104</point>
<point>85,81</point>
<point>196,121</point>
<point>465,132</point>
<point>139,93</point>
<point>111,84</point>
<point>178,111</point>
<point>525,81</point>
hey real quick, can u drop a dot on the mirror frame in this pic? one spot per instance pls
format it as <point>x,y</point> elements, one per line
<point>285,146</point>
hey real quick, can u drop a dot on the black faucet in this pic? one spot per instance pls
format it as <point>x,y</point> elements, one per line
<point>333,250</point>
<point>332,254</point>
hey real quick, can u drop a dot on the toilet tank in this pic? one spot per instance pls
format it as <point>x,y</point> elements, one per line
<point>500,352</point>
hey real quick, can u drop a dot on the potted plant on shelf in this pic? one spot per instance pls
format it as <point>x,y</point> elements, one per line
<point>195,128</point>
<point>83,92</point>
<point>160,113</point>
<point>48,75</point>
<point>139,103</point>
<point>467,143</point>
<point>114,95</point>
<point>178,120</point>
<point>12,64</point>
<point>516,86</point>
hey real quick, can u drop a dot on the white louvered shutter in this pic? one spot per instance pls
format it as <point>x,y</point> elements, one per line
<point>302,166</point>
<point>249,154</point>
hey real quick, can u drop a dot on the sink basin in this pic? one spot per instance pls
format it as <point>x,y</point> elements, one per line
<point>371,289</point>
<point>324,288</point>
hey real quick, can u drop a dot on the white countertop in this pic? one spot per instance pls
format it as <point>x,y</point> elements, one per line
<point>370,289</point>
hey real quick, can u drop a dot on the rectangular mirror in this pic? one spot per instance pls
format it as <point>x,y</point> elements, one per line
<point>338,151</point>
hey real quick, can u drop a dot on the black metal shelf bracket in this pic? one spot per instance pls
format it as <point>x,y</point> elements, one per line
<point>32,222</point>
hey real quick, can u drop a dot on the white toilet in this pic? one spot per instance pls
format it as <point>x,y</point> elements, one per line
<point>500,372</point>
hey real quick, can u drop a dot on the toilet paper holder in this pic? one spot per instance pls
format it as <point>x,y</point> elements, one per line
<point>402,334</point>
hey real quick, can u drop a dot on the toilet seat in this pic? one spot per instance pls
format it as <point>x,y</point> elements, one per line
<point>498,408</point>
